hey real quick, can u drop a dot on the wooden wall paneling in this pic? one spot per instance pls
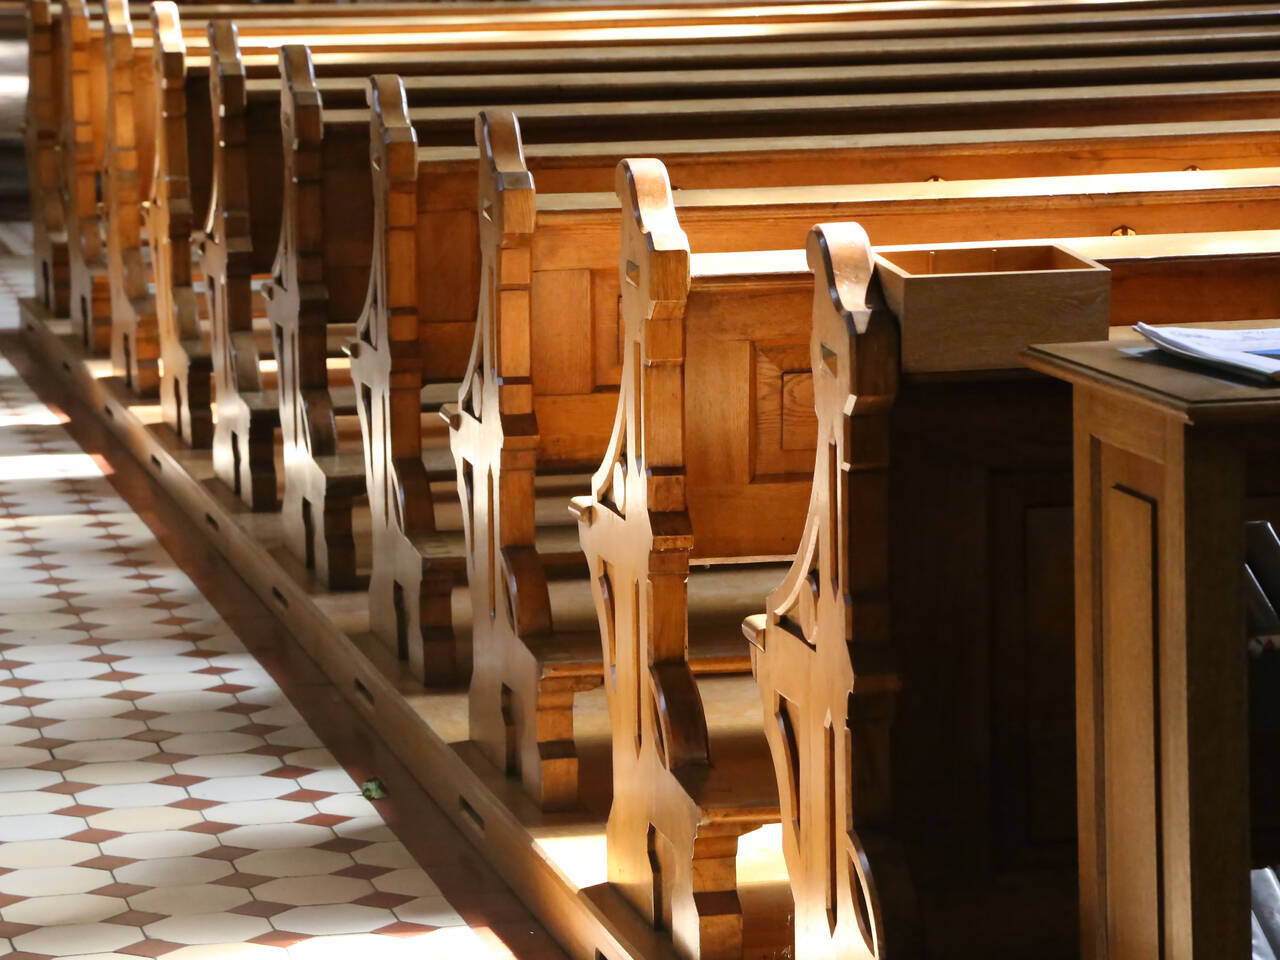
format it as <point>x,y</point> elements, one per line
<point>248,413</point>
<point>1032,708</point>
<point>88,293</point>
<point>135,342</point>
<point>409,593</point>
<point>825,666</point>
<point>43,112</point>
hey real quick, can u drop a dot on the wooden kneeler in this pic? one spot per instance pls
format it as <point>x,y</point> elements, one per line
<point>823,656</point>
<point>682,797</point>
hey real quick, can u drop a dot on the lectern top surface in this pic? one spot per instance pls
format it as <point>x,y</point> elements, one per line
<point>1129,365</point>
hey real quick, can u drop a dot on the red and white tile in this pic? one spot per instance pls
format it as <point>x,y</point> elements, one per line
<point>159,796</point>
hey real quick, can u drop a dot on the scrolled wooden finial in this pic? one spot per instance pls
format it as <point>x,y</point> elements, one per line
<point>506,191</point>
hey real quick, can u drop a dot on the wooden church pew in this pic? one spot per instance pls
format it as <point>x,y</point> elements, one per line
<point>574,403</point>
<point>45,45</point>
<point>130,354</point>
<point>837,664</point>
<point>1181,18</point>
<point>145,379</point>
<point>665,480</point>
<point>249,411</point>
<point>434,259</point>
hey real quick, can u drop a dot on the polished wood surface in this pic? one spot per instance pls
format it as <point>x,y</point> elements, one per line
<point>684,789</point>
<point>1170,461</point>
<point>540,588</point>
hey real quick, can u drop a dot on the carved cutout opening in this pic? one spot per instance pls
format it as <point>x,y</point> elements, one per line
<point>45,285</point>
<point>85,320</point>
<point>492,533</point>
<point>177,403</point>
<point>402,621</point>
<point>833,830</point>
<point>512,755</point>
<point>655,710</point>
<point>366,406</point>
<point>309,533</point>
<point>616,496</point>
<point>830,360</point>
<point>834,500</point>
<point>642,663</point>
<point>661,859</point>
<point>126,342</point>
<point>607,623</point>
<point>469,496</point>
<point>787,727</point>
<point>857,885</point>
<point>235,460</point>
<point>862,906</point>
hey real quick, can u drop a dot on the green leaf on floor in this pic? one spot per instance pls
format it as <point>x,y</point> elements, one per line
<point>373,789</point>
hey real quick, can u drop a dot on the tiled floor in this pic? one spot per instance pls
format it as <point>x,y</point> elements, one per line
<point>159,794</point>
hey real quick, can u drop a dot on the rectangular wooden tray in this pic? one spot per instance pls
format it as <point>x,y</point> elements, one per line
<point>977,307</point>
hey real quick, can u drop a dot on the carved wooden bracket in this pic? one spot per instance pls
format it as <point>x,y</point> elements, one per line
<point>320,485</point>
<point>521,711</point>
<point>672,835</point>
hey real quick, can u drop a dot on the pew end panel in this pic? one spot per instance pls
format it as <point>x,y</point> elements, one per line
<point>135,343</point>
<point>409,588</point>
<point>44,95</point>
<point>248,413</point>
<point>186,366</point>
<point>683,791</point>
<point>524,675</point>
<point>310,289</point>
<point>84,99</point>
<point>946,491</point>
<point>823,654</point>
